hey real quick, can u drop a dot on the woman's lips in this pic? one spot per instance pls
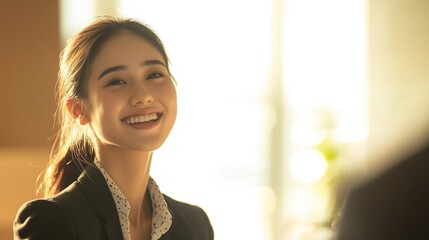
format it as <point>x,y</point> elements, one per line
<point>143,121</point>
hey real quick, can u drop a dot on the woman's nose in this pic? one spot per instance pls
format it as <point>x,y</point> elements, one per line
<point>141,95</point>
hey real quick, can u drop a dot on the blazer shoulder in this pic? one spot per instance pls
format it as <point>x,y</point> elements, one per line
<point>189,221</point>
<point>42,219</point>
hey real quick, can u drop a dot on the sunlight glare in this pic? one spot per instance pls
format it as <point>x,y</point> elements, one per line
<point>308,166</point>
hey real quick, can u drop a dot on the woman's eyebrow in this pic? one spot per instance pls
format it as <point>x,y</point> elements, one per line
<point>152,62</point>
<point>111,69</point>
<point>123,67</point>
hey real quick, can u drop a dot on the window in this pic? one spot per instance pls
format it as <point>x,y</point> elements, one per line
<point>228,57</point>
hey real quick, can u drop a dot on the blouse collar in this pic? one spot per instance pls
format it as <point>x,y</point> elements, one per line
<point>161,216</point>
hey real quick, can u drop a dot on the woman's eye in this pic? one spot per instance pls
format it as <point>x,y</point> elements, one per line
<point>155,75</point>
<point>115,82</point>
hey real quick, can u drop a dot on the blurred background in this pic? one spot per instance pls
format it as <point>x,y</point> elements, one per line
<point>283,105</point>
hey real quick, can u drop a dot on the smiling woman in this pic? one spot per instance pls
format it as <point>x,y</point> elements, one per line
<point>138,85</point>
<point>116,105</point>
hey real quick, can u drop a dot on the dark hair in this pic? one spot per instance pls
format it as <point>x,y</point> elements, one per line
<point>72,149</point>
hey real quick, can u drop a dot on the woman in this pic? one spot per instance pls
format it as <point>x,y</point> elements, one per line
<point>116,105</point>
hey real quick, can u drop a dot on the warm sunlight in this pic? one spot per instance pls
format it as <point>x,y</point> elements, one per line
<point>217,154</point>
<point>308,165</point>
<point>219,147</point>
<point>325,73</point>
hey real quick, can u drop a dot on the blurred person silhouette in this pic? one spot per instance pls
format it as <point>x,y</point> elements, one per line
<point>394,205</point>
<point>116,104</point>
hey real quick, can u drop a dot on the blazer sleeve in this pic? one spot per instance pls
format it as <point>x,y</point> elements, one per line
<point>42,219</point>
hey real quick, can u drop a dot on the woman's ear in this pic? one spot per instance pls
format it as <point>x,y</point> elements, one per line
<point>76,110</point>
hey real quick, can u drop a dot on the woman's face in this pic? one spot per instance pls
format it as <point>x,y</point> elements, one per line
<point>131,99</point>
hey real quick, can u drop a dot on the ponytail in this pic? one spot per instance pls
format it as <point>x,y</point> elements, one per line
<point>64,169</point>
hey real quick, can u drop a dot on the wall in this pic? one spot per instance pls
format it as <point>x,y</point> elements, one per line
<point>399,79</point>
<point>29,48</point>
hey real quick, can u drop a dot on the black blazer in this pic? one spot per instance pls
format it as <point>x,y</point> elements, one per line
<point>393,206</point>
<point>85,210</point>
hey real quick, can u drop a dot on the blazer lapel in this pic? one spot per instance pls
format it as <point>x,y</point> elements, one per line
<point>99,197</point>
<point>166,236</point>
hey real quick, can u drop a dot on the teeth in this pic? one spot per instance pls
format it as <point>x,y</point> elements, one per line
<point>141,118</point>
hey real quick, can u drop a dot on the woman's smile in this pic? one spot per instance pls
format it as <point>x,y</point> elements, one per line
<point>143,121</point>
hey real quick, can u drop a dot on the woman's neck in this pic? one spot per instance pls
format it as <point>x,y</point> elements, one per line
<point>130,171</point>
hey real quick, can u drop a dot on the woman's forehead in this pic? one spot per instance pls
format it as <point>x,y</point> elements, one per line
<point>124,49</point>
<point>125,45</point>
